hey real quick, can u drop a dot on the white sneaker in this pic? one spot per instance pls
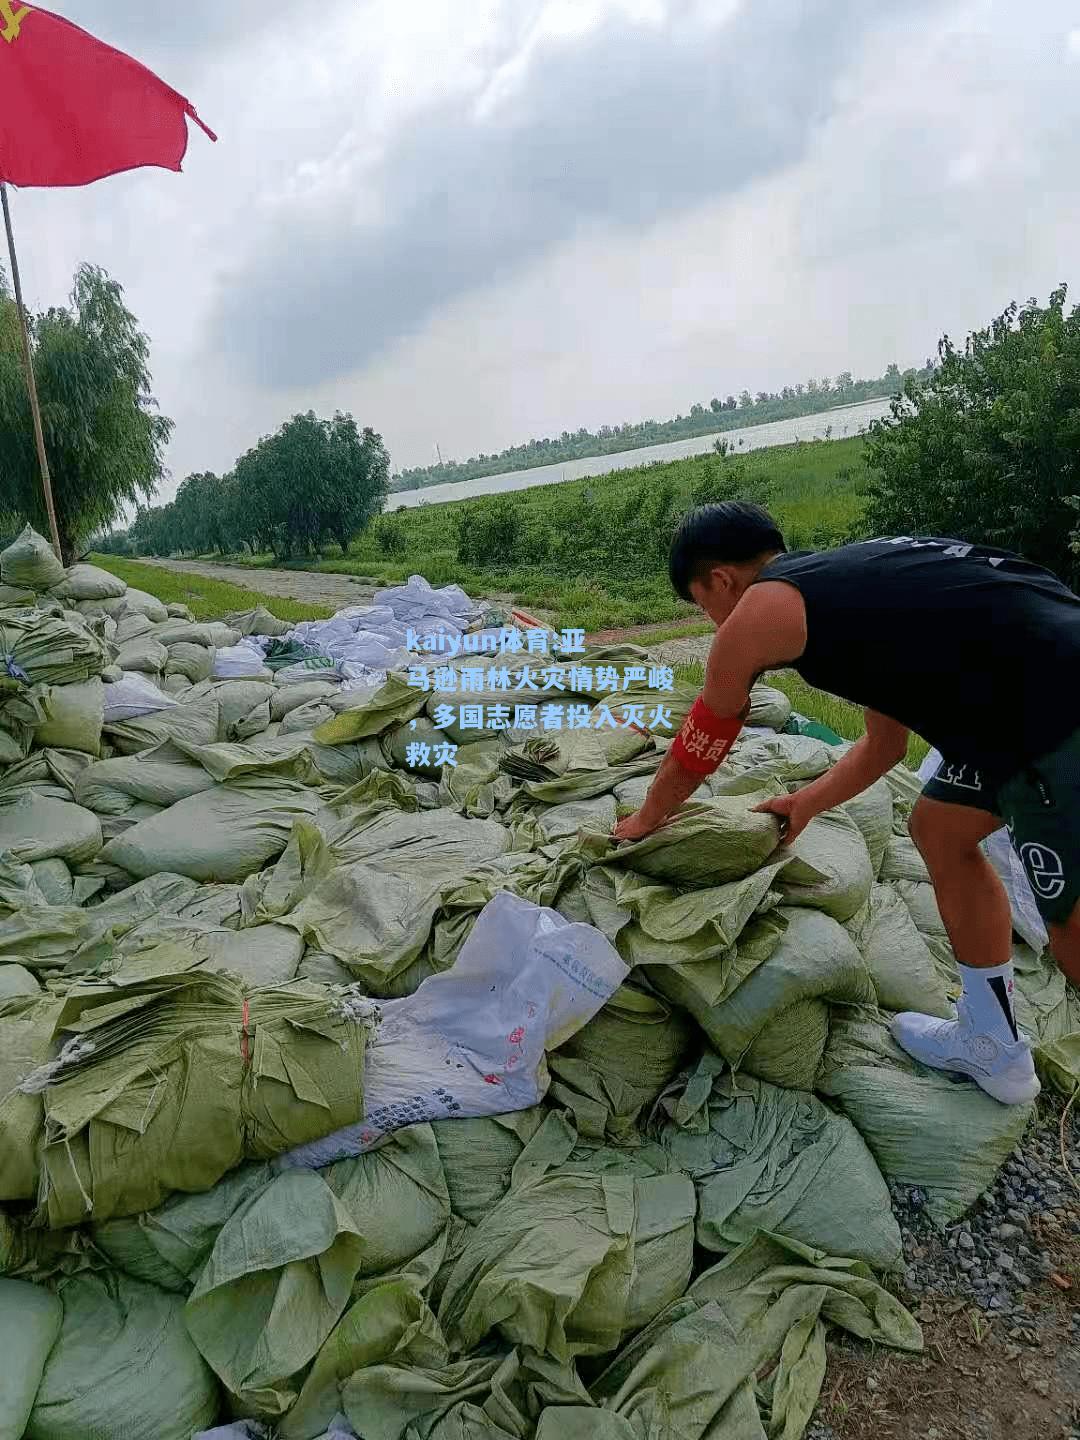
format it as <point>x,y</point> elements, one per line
<point>1004,1069</point>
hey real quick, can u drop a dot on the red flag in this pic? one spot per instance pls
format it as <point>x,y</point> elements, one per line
<point>73,109</point>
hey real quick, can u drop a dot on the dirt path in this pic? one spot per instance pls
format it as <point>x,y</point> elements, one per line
<point>312,587</point>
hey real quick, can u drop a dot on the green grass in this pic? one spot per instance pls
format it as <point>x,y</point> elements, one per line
<point>839,715</point>
<point>811,488</point>
<point>207,599</point>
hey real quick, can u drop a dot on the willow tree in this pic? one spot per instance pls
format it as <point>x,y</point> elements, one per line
<point>104,436</point>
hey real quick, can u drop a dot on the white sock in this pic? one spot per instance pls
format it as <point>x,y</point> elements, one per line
<point>988,995</point>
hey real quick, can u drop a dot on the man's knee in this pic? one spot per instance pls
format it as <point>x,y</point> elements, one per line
<point>948,836</point>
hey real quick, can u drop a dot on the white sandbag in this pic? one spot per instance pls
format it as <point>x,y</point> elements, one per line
<point>472,1040</point>
<point>236,662</point>
<point>133,696</point>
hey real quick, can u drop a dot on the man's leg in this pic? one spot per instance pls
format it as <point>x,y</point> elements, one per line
<point>983,1042</point>
<point>1065,945</point>
<point>970,896</point>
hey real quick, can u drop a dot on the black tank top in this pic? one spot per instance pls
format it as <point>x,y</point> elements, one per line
<point>972,648</point>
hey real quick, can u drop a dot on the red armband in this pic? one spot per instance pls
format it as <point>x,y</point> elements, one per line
<point>705,739</point>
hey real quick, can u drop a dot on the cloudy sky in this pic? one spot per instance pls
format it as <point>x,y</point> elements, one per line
<point>474,221</point>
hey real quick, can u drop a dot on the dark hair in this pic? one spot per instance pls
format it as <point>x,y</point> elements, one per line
<point>726,534</point>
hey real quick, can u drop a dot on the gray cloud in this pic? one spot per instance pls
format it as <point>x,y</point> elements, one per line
<point>624,127</point>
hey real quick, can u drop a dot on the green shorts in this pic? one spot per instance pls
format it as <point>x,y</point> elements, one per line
<point>1041,806</point>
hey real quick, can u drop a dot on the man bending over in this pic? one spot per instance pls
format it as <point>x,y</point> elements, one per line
<point>972,648</point>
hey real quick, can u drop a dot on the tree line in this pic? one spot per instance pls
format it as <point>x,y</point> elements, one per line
<point>727,414</point>
<point>313,483</point>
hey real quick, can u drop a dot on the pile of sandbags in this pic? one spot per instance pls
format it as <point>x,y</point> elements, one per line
<point>301,1122</point>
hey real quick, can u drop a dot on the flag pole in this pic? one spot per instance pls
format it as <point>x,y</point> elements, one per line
<point>31,384</point>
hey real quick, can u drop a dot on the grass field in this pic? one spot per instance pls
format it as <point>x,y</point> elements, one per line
<point>207,599</point>
<point>592,552</point>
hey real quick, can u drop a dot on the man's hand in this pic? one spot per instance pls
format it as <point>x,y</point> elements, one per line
<point>635,827</point>
<point>793,811</point>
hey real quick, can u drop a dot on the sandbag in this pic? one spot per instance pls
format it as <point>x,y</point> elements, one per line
<point>902,861</point>
<point>30,1320</point>
<point>30,562</point>
<point>286,698</point>
<point>221,835</point>
<point>611,1072</point>
<point>829,867</point>
<point>923,1127</point>
<point>708,841</point>
<point>197,722</point>
<point>770,708</point>
<point>763,1158</point>
<point>88,582</point>
<point>283,1267</point>
<point>554,1265</point>
<point>16,980</point>
<point>74,717</point>
<point>161,776</point>
<point>900,965</point>
<point>775,1024</point>
<point>190,1072</point>
<point>478,1157</point>
<point>36,828</point>
<point>872,811</point>
<point>396,742</point>
<point>258,621</point>
<point>27,1025</point>
<point>144,654</point>
<point>123,1367</point>
<point>393,703</point>
<point>194,662</point>
<point>141,603</point>
<point>132,696</point>
<point>169,1247</point>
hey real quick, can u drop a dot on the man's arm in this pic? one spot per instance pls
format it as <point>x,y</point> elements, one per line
<point>766,629</point>
<point>883,746</point>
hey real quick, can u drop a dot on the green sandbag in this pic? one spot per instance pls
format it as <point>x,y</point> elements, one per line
<point>194,662</point>
<point>197,722</point>
<point>902,861</point>
<point>48,937</point>
<point>763,1158</point>
<point>258,621</point>
<point>396,742</point>
<point>30,1321</point>
<point>283,1266</point>
<point>392,703</point>
<point>476,786</point>
<point>769,708</point>
<point>189,1073</point>
<point>33,828</point>
<point>30,562</point>
<point>708,842</point>
<point>554,1265</point>
<point>140,602</point>
<point>75,715</point>
<point>829,868</point>
<point>478,1157</point>
<point>161,776</point>
<point>15,980</point>
<point>259,954</point>
<point>1048,1009</point>
<point>923,1127</point>
<point>417,1392</point>
<point>610,1073</point>
<point>123,1367</point>
<point>169,1246</point>
<point>50,650</point>
<point>220,835</point>
<point>88,582</point>
<point>775,1024</point>
<point>872,811</point>
<point>903,970</point>
<point>763,1311</point>
<point>287,698</point>
<point>792,759</point>
<point>921,902</point>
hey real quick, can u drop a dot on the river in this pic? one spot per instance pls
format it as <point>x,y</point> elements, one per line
<point>844,420</point>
